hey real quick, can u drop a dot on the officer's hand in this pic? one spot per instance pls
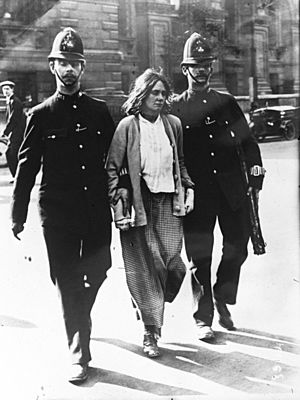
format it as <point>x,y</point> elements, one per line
<point>17,228</point>
<point>189,201</point>
<point>122,194</point>
<point>123,224</point>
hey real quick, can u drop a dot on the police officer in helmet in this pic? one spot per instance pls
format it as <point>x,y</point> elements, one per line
<point>213,124</point>
<point>67,136</point>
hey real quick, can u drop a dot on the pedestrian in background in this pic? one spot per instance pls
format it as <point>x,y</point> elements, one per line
<point>15,125</point>
<point>213,125</point>
<point>148,143</point>
<point>69,135</point>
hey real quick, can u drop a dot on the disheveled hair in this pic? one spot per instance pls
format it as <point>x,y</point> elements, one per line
<point>142,88</point>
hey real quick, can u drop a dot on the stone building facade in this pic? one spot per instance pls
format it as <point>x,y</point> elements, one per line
<point>254,38</point>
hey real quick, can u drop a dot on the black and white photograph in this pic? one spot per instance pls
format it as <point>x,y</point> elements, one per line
<point>149,200</point>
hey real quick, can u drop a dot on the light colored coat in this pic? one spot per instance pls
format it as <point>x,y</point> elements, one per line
<point>125,152</point>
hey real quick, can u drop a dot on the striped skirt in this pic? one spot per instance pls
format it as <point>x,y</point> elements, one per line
<point>153,265</point>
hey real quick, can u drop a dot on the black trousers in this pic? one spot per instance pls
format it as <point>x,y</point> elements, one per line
<point>78,266</point>
<point>12,158</point>
<point>199,240</point>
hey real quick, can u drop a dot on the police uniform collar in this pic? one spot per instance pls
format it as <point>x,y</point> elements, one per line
<point>71,98</point>
<point>198,93</point>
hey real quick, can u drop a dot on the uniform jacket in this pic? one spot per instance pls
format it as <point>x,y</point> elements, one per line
<point>68,136</point>
<point>125,150</point>
<point>212,123</point>
<point>15,122</point>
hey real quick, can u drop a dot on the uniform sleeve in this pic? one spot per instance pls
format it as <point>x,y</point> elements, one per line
<point>115,158</point>
<point>249,144</point>
<point>109,127</point>
<point>30,156</point>
<point>185,178</point>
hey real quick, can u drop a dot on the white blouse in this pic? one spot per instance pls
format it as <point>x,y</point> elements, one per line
<point>156,156</point>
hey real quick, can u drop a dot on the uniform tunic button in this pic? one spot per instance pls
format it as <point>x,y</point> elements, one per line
<point>212,153</point>
<point>74,106</point>
<point>176,191</point>
<point>187,127</point>
<point>98,132</point>
<point>83,167</point>
<point>81,146</point>
<point>210,136</point>
<point>215,171</point>
<point>85,188</point>
<point>204,101</point>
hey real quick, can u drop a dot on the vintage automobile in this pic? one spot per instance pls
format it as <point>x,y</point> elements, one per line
<point>276,121</point>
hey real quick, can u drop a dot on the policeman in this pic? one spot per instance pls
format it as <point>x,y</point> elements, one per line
<point>15,125</point>
<point>68,135</point>
<point>213,123</point>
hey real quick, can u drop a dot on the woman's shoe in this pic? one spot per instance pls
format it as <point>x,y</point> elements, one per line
<point>150,347</point>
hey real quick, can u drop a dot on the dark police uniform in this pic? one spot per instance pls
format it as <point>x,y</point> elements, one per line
<point>212,123</point>
<point>14,130</point>
<point>68,136</point>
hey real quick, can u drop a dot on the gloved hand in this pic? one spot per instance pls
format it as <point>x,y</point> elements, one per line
<point>189,200</point>
<point>123,224</point>
<point>123,194</point>
<point>17,228</point>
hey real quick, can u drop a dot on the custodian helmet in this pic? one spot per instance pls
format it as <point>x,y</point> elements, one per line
<point>67,45</point>
<point>196,50</point>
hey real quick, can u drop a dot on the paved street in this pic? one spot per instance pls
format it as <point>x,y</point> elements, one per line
<point>261,358</point>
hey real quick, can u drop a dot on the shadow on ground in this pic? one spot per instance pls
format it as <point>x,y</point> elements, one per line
<point>11,322</point>
<point>246,360</point>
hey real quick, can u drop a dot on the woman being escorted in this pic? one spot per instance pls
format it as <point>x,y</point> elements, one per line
<point>148,143</point>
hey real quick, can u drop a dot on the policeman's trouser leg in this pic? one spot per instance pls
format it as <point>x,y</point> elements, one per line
<point>78,268</point>
<point>12,160</point>
<point>234,226</point>
<point>199,241</point>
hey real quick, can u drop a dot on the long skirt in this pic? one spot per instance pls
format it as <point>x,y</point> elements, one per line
<point>153,264</point>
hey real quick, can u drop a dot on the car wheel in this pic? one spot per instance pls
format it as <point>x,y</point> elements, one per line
<point>290,132</point>
<point>3,147</point>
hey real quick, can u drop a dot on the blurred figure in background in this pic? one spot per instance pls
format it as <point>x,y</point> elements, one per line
<point>15,125</point>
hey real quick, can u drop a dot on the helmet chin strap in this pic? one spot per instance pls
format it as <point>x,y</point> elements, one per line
<point>66,84</point>
<point>195,79</point>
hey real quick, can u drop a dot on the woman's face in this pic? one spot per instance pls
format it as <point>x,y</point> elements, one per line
<point>155,100</point>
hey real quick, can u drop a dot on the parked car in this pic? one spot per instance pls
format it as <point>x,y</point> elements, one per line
<point>280,121</point>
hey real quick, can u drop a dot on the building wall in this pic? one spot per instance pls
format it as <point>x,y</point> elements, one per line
<point>24,48</point>
<point>124,37</point>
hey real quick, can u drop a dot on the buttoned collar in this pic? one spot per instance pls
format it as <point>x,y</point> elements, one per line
<point>69,98</point>
<point>197,93</point>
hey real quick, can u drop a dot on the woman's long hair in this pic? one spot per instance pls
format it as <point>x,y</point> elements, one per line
<point>142,88</point>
